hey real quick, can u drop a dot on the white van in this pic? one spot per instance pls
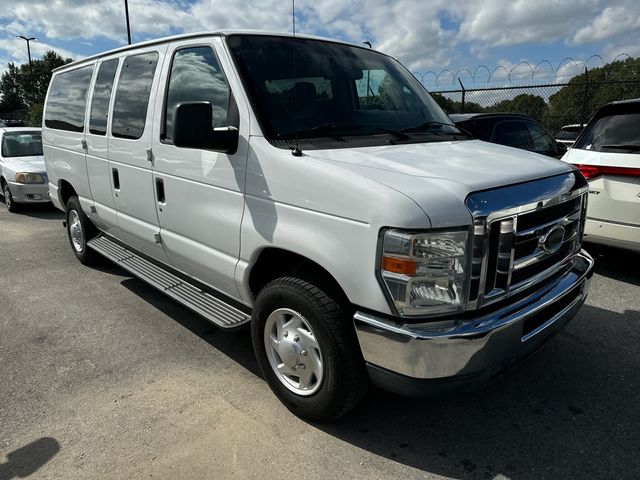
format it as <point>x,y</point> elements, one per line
<point>324,198</point>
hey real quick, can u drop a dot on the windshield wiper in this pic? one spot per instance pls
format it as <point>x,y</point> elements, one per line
<point>340,129</point>
<point>430,128</point>
<point>623,146</point>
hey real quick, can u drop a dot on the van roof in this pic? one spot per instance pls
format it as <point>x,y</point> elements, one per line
<point>184,36</point>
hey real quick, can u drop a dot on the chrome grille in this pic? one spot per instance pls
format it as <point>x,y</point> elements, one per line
<point>517,246</point>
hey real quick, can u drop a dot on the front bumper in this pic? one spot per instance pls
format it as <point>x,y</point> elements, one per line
<point>410,358</point>
<point>29,192</point>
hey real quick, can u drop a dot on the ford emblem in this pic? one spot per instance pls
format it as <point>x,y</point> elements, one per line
<point>552,240</point>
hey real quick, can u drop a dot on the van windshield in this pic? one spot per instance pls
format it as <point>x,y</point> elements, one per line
<point>339,94</point>
<point>21,144</point>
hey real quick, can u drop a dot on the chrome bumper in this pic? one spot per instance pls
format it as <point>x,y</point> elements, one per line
<point>29,192</point>
<point>471,347</point>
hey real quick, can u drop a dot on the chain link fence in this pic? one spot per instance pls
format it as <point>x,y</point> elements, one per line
<point>553,105</point>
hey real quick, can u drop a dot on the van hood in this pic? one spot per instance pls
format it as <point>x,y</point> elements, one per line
<point>476,164</point>
<point>439,176</point>
<point>34,164</point>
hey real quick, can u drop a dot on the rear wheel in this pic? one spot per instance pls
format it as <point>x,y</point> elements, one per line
<point>80,230</point>
<point>12,206</point>
<point>307,349</point>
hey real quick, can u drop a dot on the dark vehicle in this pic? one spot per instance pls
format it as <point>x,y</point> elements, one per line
<point>568,134</point>
<point>510,129</point>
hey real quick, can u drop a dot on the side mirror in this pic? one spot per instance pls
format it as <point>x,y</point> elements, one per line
<point>192,129</point>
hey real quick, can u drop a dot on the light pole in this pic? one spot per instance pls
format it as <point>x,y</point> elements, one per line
<point>126,14</point>
<point>28,39</point>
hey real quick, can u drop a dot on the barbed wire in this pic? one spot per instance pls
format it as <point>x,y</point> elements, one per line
<point>447,77</point>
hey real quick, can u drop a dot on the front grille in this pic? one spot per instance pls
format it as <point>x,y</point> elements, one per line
<point>520,246</point>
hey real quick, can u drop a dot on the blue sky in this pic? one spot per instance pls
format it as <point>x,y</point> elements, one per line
<point>426,35</point>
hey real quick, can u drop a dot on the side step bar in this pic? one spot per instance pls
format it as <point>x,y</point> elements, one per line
<point>215,310</point>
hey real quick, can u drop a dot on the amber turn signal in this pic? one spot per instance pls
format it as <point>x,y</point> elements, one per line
<point>403,266</point>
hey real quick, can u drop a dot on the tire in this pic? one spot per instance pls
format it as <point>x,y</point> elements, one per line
<point>80,230</point>
<point>12,206</point>
<point>287,308</point>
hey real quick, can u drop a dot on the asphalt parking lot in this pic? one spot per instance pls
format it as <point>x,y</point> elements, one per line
<point>103,377</point>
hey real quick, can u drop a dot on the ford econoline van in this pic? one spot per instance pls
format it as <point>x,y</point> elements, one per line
<point>314,190</point>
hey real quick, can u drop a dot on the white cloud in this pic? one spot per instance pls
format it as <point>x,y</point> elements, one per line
<point>611,22</point>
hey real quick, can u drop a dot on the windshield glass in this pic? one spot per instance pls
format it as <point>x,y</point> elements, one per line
<point>21,144</point>
<point>615,133</point>
<point>340,92</point>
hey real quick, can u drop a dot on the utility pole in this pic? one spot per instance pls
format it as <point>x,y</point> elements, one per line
<point>28,39</point>
<point>126,13</point>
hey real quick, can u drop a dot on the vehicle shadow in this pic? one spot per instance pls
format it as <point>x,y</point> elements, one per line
<point>236,344</point>
<point>615,263</point>
<point>26,460</point>
<point>570,411</point>
<point>44,211</point>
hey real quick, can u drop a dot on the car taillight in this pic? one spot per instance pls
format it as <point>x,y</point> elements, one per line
<point>592,171</point>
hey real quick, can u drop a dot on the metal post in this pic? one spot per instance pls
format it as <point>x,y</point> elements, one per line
<point>126,13</point>
<point>463,96</point>
<point>585,100</point>
<point>28,39</point>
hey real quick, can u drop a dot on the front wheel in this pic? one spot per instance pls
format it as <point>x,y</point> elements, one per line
<point>80,230</point>
<point>307,349</point>
<point>12,206</point>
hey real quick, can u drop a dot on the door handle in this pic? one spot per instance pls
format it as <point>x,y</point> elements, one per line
<point>160,190</point>
<point>116,179</point>
<point>83,142</point>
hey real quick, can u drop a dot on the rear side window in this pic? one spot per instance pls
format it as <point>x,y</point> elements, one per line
<point>132,95</point>
<point>512,134</point>
<point>196,75</point>
<point>542,142</point>
<point>615,133</point>
<point>67,100</point>
<point>101,96</point>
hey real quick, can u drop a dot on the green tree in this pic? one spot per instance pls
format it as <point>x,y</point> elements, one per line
<point>11,89</point>
<point>532,105</point>
<point>452,106</point>
<point>579,100</point>
<point>34,115</point>
<point>25,85</point>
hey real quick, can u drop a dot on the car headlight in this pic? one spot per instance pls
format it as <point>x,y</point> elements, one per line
<point>24,177</point>
<point>426,273</point>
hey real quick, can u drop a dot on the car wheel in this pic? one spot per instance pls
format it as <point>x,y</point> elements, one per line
<point>80,230</point>
<point>12,206</point>
<point>307,350</point>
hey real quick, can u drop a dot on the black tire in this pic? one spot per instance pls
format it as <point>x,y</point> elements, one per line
<point>88,229</point>
<point>344,379</point>
<point>12,206</point>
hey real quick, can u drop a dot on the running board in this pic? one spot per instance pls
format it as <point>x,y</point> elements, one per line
<point>212,308</point>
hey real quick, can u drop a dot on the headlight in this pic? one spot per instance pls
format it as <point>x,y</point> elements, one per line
<point>23,177</point>
<point>426,273</point>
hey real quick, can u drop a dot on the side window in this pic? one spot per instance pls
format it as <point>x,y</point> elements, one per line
<point>101,96</point>
<point>196,75</point>
<point>542,142</point>
<point>378,90</point>
<point>67,100</point>
<point>512,134</point>
<point>132,95</point>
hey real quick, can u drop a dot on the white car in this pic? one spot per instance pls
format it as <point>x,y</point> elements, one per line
<point>568,133</point>
<point>334,207</point>
<point>608,155</point>
<point>23,177</point>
